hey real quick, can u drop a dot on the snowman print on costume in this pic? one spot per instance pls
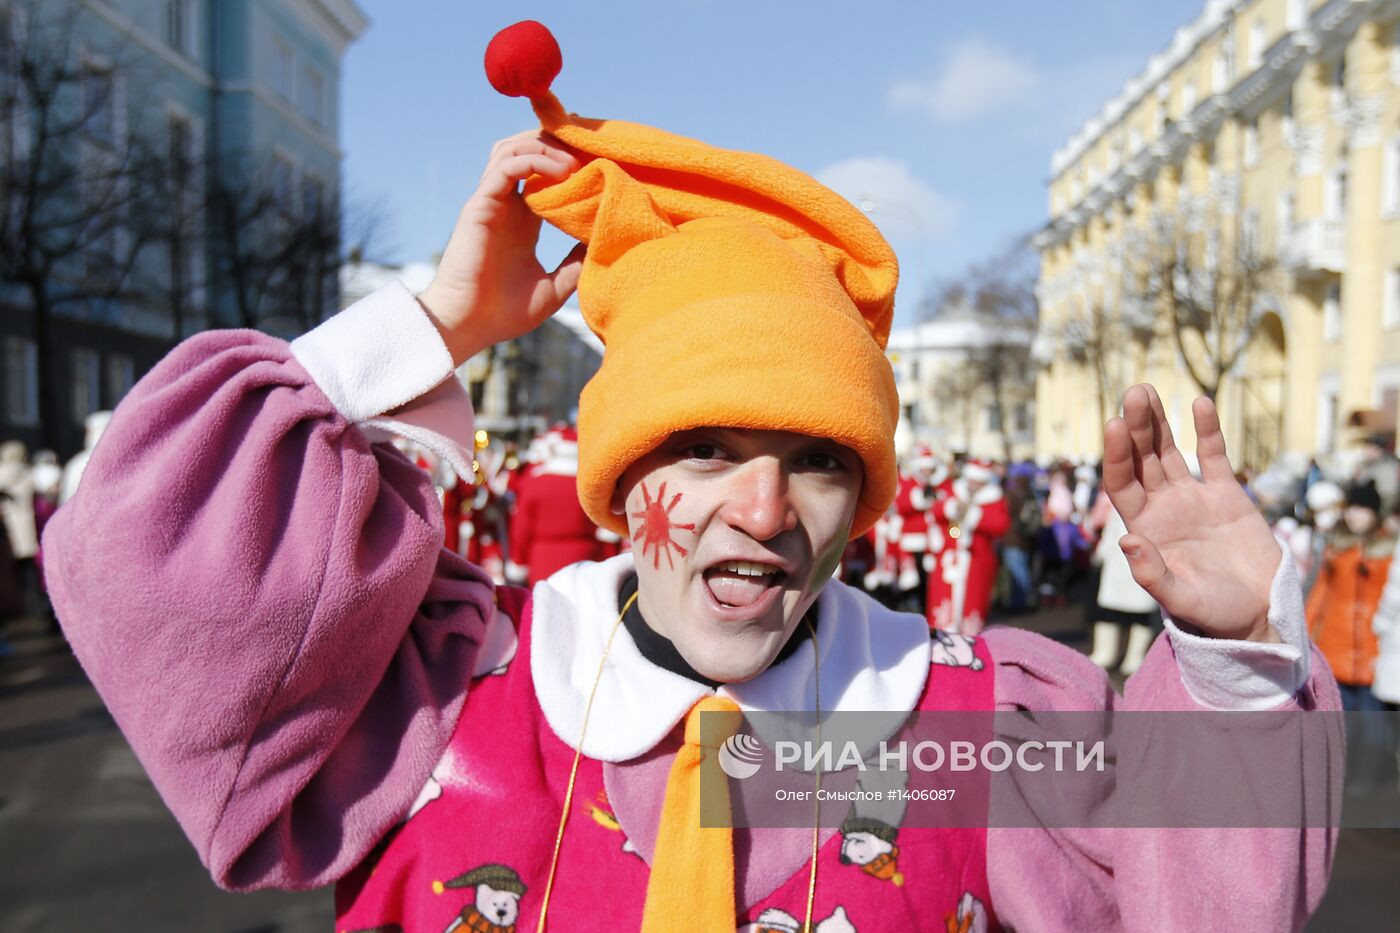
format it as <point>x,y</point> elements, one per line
<point>495,904</point>
<point>970,917</point>
<point>602,813</point>
<point>869,844</point>
<point>774,920</point>
<point>955,650</point>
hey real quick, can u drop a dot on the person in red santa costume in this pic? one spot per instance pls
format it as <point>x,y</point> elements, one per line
<point>486,512</point>
<point>917,538</point>
<point>550,530</point>
<point>971,520</point>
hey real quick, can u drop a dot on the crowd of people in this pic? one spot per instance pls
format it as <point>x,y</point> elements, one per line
<point>31,490</point>
<point>967,539</point>
<point>964,539</point>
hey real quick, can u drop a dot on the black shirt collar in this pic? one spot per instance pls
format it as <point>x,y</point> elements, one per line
<point>659,650</point>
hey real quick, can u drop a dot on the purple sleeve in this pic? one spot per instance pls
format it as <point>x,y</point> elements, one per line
<point>1157,879</point>
<point>262,599</point>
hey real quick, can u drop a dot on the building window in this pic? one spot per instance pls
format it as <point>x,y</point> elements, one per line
<point>1339,82</point>
<point>1188,98</point>
<point>121,376</point>
<point>99,105</point>
<point>1287,128</point>
<point>1327,419</point>
<point>8,44</point>
<point>993,418</point>
<point>21,382</point>
<point>1390,178</point>
<point>283,178</point>
<point>180,26</point>
<point>1334,195</point>
<point>1256,44</point>
<point>1023,418</point>
<point>1224,69</point>
<point>1134,141</point>
<point>14,133</point>
<point>185,239</point>
<point>1283,219</point>
<point>1251,144</point>
<point>313,197</point>
<point>283,68</point>
<point>1297,13</point>
<point>86,384</point>
<point>1249,230</point>
<point>1332,314</point>
<point>1390,315</point>
<point>1395,55</point>
<point>313,91</point>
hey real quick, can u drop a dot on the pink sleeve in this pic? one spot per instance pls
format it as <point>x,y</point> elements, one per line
<point>262,598</point>
<point>1154,879</point>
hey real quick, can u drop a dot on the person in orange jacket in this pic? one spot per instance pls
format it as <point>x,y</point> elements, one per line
<point>1349,585</point>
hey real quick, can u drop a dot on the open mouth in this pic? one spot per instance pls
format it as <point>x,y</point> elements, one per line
<point>742,584</point>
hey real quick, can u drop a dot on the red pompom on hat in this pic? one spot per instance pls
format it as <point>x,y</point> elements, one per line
<point>523,60</point>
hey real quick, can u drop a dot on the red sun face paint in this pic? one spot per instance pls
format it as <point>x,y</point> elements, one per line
<point>656,526</point>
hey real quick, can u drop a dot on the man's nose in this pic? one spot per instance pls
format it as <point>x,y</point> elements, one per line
<point>759,504</point>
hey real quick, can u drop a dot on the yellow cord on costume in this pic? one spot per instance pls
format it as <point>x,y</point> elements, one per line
<point>817,818</point>
<point>573,771</point>
<point>578,754</point>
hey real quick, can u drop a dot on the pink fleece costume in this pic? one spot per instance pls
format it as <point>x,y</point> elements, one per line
<point>289,648</point>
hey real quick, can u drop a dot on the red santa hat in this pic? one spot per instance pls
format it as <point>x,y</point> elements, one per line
<point>561,450</point>
<point>979,471</point>
<point>923,457</point>
<point>564,442</point>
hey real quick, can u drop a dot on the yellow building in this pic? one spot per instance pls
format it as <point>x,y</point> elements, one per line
<point>1273,123</point>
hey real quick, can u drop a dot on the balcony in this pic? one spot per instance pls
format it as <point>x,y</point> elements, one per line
<point>1316,247</point>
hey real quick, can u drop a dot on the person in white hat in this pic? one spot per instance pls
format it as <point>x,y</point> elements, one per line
<point>972,519</point>
<point>1325,501</point>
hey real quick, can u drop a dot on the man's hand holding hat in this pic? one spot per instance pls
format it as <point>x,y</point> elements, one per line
<point>489,285</point>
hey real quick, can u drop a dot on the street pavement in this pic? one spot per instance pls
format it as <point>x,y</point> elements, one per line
<point>86,843</point>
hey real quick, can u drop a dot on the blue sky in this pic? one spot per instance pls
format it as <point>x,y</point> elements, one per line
<point>940,116</point>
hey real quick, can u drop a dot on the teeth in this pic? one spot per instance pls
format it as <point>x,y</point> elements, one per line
<point>747,568</point>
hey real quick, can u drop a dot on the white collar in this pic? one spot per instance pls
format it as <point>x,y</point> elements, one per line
<point>873,659</point>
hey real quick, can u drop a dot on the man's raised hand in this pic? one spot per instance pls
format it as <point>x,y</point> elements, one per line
<point>1198,546</point>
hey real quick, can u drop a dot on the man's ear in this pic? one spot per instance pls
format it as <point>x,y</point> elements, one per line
<point>618,503</point>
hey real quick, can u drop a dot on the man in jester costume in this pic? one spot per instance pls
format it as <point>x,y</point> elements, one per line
<point>294,656</point>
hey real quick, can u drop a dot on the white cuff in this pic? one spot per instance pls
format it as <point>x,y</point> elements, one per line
<point>382,354</point>
<point>1229,674</point>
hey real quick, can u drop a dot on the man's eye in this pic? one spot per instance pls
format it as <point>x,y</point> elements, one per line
<point>702,451</point>
<point>825,462</point>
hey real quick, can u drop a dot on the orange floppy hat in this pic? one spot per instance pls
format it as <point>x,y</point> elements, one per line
<point>729,290</point>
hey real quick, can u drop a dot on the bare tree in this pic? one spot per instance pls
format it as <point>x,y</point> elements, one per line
<point>1095,338</point>
<point>956,390</point>
<point>70,178</point>
<point>1207,286</point>
<point>279,249</point>
<point>1087,339</point>
<point>1000,294</point>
